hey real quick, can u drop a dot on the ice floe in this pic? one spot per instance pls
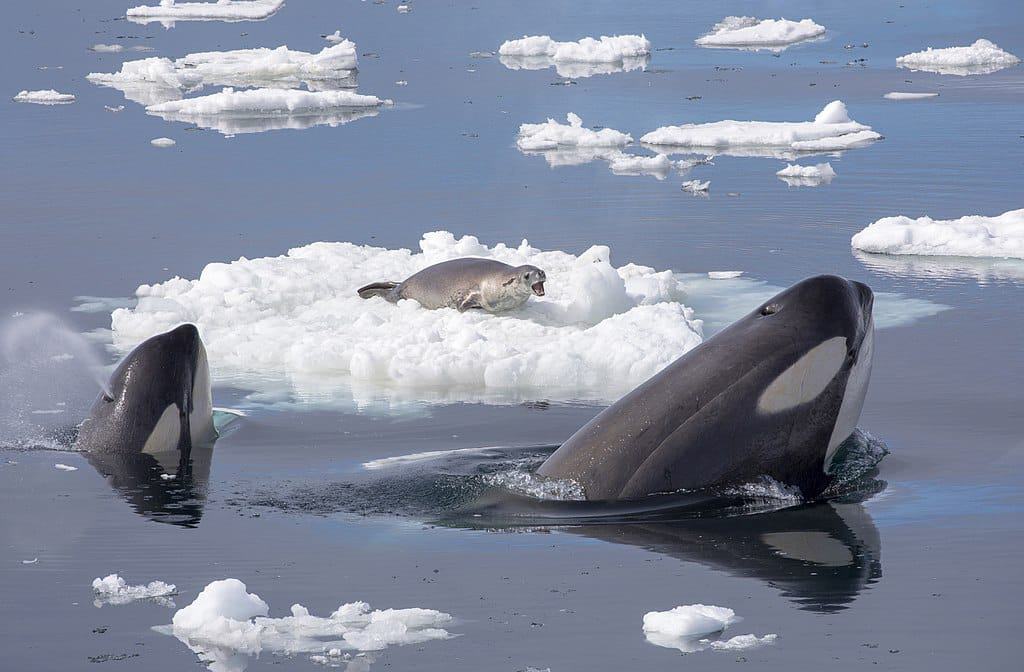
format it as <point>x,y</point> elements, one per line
<point>584,58</point>
<point>906,95</point>
<point>169,11</point>
<point>599,330</point>
<point>162,142</point>
<point>226,623</point>
<point>831,130</point>
<point>981,58</point>
<point>688,627</point>
<point>151,81</point>
<point>65,467</point>
<point>257,110</point>
<point>44,97</point>
<point>696,186</point>
<point>970,236</point>
<point>117,48</point>
<point>806,176</point>
<point>724,275</point>
<point>112,589</point>
<point>573,144</point>
<point>748,32</point>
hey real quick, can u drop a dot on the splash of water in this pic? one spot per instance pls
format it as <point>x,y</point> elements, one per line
<point>41,339</point>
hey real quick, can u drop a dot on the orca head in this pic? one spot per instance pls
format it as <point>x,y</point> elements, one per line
<point>829,318</point>
<point>158,400</point>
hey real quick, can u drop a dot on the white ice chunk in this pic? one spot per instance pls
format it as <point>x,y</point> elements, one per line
<point>552,135</point>
<point>225,620</point>
<point>807,176</point>
<point>162,142</point>
<point>747,32</point>
<point>112,589</point>
<point>970,236</point>
<point>221,10</point>
<point>335,37</point>
<point>982,57</point>
<point>692,620</point>
<point>832,129</point>
<point>65,467</point>
<point>598,331</point>
<point>584,58</point>
<point>44,97</point>
<point>724,275</point>
<point>742,642</point>
<point>904,95</point>
<point>107,48</point>
<point>696,186</point>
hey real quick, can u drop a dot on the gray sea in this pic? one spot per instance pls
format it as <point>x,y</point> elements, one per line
<point>920,572</point>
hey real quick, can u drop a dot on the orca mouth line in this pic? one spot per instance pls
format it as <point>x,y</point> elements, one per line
<point>538,288</point>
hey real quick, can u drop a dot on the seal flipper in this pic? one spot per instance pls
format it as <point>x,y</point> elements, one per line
<point>471,301</point>
<point>377,289</point>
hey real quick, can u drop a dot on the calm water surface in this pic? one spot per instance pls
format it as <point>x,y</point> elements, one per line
<point>921,576</point>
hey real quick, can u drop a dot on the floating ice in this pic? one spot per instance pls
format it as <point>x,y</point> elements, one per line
<point>696,186</point>
<point>807,176</point>
<point>587,57</point>
<point>970,236</point>
<point>257,110</point>
<point>832,129</point>
<point>112,589</point>
<point>724,275</point>
<point>226,621</point>
<point>107,48</point>
<point>597,332</point>
<point>982,57</point>
<point>156,80</point>
<point>44,97</point>
<point>747,32</point>
<point>686,628</point>
<point>903,95</point>
<point>65,467</point>
<point>162,142</point>
<point>572,144</point>
<point>335,37</point>
<point>169,11</point>
<point>115,108</point>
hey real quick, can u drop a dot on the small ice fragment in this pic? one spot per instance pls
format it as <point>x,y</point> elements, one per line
<point>692,620</point>
<point>742,642</point>
<point>982,57</point>
<point>903,95</point>
<point>404,8</point>
<point>807,176</point>
<point>335,37</point>
<point>65,467</point>
<point>724,275</point>
<point>44,97</point>
<point>401,82</point>
<point>970,236</point>
<point>162,142</point>
<point>747,32</point>
<point>107,48</point>
<point>30,562</point>
<point>221,10</point>
<point>584,58</point>
<point>115,108</point>
<point>112,589</point>
<point>168,477</point>
<point>552,135</point>
<point>696,186</point>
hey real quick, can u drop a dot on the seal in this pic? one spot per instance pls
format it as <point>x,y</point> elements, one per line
<point>465,284</point>
<point>774,394</point>
<point>158,400</point>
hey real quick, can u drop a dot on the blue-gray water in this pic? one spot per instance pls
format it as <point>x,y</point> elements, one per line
<point>88,207</point>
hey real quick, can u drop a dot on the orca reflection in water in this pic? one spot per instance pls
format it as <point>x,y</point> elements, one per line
<point>774,394</point>
<point>151,432</point>
<point>821,555</point>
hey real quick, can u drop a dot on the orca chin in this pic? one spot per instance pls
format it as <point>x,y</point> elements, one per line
<point>774,394</point>
<point>158,401</point>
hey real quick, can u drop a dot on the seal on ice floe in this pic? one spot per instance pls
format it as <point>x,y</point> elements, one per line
<point>464,284</point>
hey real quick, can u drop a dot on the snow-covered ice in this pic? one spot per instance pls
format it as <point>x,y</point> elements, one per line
<point>65,467</point>
<point>256,110</point>
<point>44,97</point>
<point>584,58</point>
<point>906,95</point>
<point>970,236</point>
<point>687,628</point>
<point>696,186</point>
<point>807,176</point>
<point>169,11</point>
<point>982,57</point>
<point>112,589</point>
<point>155,80</point>
<point>226,621</point>
<point>552,135</point>
<point>832,129</point>
<point>748,32</point>
<point>600,330</point>
<point>162,142</point>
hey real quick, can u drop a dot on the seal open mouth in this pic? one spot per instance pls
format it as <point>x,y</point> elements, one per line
<point>538,288</point>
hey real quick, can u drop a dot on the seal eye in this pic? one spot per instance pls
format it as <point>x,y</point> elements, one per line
<point>770,309</point>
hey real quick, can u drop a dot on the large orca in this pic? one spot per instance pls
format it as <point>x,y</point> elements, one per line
<point>158,400</point>
<point>774,394</point>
